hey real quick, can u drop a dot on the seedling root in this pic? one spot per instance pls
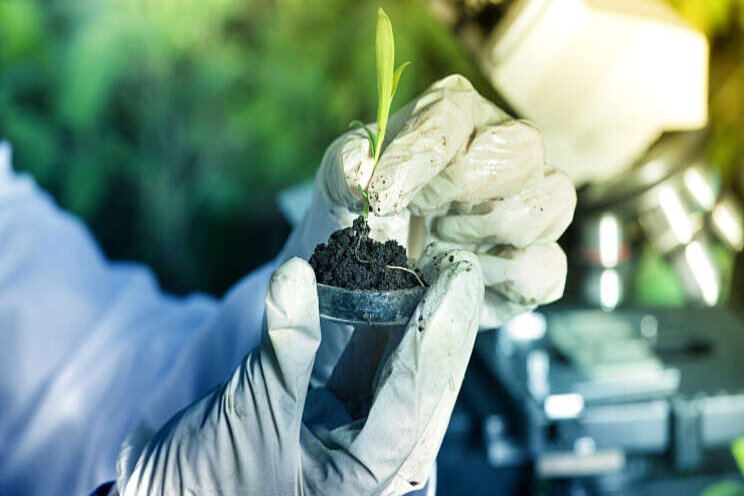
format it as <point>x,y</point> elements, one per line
<point>406,269</point>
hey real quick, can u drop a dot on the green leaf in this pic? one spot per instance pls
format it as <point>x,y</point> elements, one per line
<point>363,192</point>
<point>365,213</point>
<point>385,50</point>
<point>396,77</point>
<point>737,449</point>
<point>370,134</point>
<point>387,83</point>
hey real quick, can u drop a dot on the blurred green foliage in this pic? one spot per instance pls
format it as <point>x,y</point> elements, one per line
<point>168,125</point>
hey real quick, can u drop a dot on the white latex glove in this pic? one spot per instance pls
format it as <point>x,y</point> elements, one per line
<point>249,435</point>
<point>454,168</point>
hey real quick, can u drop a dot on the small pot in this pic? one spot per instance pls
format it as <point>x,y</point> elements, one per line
<point>368,307</point>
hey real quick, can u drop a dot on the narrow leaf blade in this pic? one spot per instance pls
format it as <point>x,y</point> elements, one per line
<point>396,77</point>
<point>365,212</point>
<point>737,448</point>
<point>370,135</point>
<point>362,191</point>
<point>385,49</point>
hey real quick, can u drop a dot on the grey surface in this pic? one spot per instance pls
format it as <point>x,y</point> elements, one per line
<point>691,406</point>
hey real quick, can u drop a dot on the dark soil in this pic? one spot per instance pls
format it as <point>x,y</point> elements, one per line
<point>353,260</point>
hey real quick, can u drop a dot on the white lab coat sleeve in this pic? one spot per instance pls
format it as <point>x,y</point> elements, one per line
<point>89,348</point>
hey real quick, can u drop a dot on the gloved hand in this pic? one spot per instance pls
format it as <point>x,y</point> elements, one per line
<point>458,169</point>
<point>454,168</point>
<point>249,436</point>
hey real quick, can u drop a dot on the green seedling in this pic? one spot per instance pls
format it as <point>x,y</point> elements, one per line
<point>387,83</point>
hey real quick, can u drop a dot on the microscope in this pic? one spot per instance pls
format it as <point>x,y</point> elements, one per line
<point>632,384</point>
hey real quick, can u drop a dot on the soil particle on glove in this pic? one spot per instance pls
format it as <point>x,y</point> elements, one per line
<point>353,260</point>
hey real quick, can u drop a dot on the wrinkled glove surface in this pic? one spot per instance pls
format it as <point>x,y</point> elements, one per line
<point>457,176</point>
<point>262,432</point>
<point>454,168</point>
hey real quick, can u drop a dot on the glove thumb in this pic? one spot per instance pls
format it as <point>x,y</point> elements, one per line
<point>290,339</point>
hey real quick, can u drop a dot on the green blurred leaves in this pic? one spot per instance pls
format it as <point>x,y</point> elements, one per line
<point>169,125</point>
<point>22,37</point>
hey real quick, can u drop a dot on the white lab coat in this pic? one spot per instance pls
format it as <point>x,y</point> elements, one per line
<point>91,348</point>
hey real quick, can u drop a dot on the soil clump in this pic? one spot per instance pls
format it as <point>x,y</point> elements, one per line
<point>352,260</point>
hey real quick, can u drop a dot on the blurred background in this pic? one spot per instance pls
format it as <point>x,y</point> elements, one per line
<point>176,128</point>
<point>170,126</point>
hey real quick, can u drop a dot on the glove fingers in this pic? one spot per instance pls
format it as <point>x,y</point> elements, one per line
<point>347,164</point>
<point>433,257</point>
<point>440,123</point>
<point>534,275</point>
<point>538,214</point>
<point>497,310</point>
<point>291,338</point>
<point>418,383</point>
<point>497,162</point>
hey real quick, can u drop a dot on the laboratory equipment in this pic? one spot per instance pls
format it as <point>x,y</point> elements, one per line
<point>368,307</point>
<point>615,399</point>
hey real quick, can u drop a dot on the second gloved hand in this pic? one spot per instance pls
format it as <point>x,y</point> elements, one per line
<point>454,168</point>
<point>262,432</point>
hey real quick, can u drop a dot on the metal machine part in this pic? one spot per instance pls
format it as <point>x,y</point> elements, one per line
<point>669,393</point>
<point>671,200</point>
<point>602,80</point>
